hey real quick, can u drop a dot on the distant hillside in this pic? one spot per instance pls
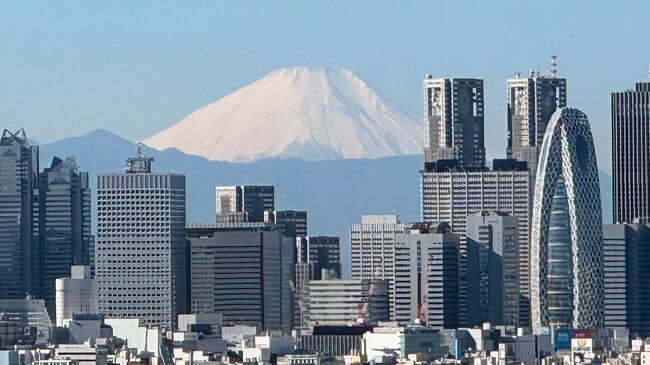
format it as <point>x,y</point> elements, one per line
<point>335,193</point>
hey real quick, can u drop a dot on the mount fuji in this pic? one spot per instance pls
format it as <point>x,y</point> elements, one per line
<point>298,112</point>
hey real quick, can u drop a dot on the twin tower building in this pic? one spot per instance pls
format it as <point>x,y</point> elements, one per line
<point>549,181</point>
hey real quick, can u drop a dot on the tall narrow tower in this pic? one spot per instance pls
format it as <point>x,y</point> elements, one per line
<point>531,102</point>
<point>567,238</point>
<point>18,197</point>
<point>453,121</point>
<point>630,153</point>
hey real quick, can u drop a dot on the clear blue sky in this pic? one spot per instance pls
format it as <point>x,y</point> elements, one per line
<point>135,67</point>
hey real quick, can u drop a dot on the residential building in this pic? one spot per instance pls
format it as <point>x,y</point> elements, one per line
<point>450,193</point>
<point>75,295</point>
<point>18,202</point>
<point>531,102</point>
<point>493,268</point>
<point>453,121</point>
<point>439,279</point>
<point>626,252</point>
<point>567,236</point>
<point>347,302</point>
<point>243,274</point>
<point>630,151</point>
<point>64,225</point>
<point>141,249</point>
<point>247,202</point>
<point>372,249</point>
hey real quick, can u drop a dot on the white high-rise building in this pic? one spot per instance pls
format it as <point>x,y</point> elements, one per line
<point>75,295</point>
<point>141,248</point>
<point>372,249</point>
<point>567,285</point>
<point>426,275</point>
<point>450,194</point>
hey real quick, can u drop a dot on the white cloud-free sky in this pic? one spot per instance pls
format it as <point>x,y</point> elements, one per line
<point>68,67</point>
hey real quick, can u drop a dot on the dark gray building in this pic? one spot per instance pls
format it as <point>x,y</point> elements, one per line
<point>141,251</point>
<point>245,274</point>
<point>18,199</point>
<point>63,226</point>
<point>531,102</point>
<point>293,221</point>
<point>439,281</point>
<point>493,268</point>
<point>627,274</point>
<point>630,151</point>
<point>453,120</point>
<point>244,202</point>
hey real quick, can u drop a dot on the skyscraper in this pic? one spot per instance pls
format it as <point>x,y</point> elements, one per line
<point>372,249</point>
<point>413,286</point>
<point>18,199</point>
<point>450,193</point>
<point>630,151</point>
<point>244,274</point>
<point>626,249</point>
<point>141,248</point>
<point>531,102</point>
<point>453,121</point>
<point>294,221</point>
<point>64,224</point>
<point>244,202</point>
<point>566,239</point>
<point>439,284</point>
<point>493,268</point>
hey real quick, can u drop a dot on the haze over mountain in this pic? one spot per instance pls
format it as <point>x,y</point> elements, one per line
<point>301,112</point>
<point>334,193</point>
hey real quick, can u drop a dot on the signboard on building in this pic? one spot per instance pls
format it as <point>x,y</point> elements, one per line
<point>562,339</point>
<point>582,345</point>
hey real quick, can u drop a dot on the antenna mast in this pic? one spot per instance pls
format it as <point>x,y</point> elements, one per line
<point>554,66</point>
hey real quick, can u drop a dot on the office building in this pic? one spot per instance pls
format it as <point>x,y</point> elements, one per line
<point>316,258</point>
<point>244,202</point>
<point>372,249</point>
<point>453,121</point>
<point>493,268</point>
<point>439,280</point>
<point>76,294</point>
<point>531,102</point>
<point>29,316</point>
<point>407,288</point>
<point>320,252</point>
<point>630,151</point>
<point>626,251</point>
<point>141,252</point>
<point>243,274</point>
<point>450,193</point>
<point>566,235</point>
<point>18,199</point>
<point>348,302</point>
<point>64,225</point>
<point>294,222</point>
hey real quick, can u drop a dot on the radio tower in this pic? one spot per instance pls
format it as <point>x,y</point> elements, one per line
<point>554,66</point>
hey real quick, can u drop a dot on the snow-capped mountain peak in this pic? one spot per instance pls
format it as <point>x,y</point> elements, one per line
<point>301,112</point>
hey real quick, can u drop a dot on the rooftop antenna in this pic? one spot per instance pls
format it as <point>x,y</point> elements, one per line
<point>554,66</point>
